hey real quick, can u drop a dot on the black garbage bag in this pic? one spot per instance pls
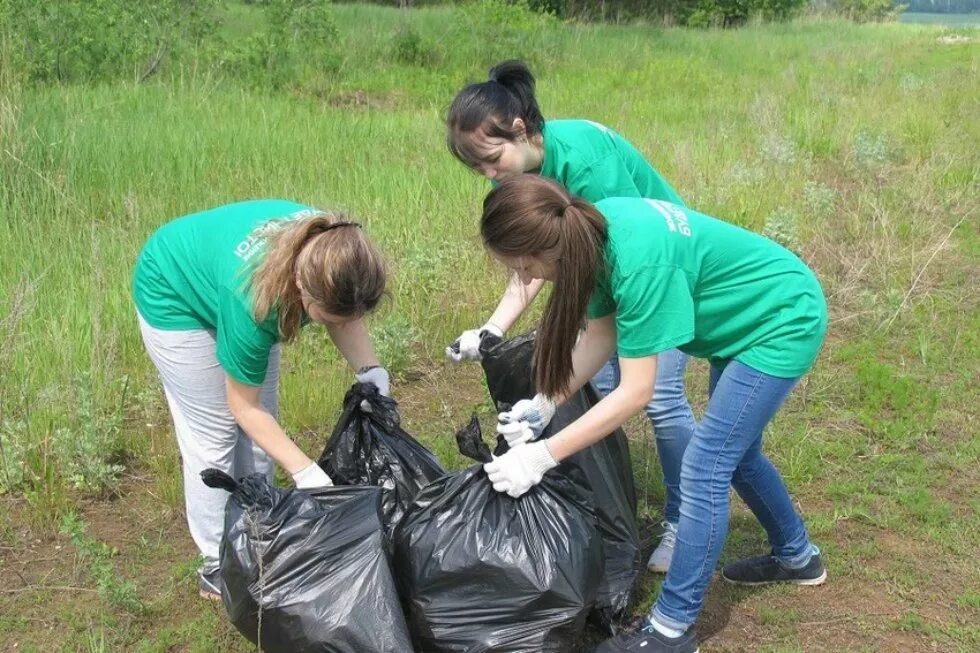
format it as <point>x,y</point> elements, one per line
<point>307,572</point>
<point>606,465</point>
<point>479,571</point>
<point>371,448</point>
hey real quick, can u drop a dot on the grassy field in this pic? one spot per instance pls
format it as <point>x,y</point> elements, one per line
<point>856,144</point>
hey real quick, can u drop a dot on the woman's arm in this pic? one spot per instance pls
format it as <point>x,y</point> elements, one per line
<point>262,428</point>
<point>354,343</point>
<point>635,388</point>
<point>524,465</point>
<point>529,417</point>
<point>517,297</point>
<point>594,347</point>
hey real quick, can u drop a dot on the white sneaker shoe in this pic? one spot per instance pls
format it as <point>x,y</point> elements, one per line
<point>660,558</point>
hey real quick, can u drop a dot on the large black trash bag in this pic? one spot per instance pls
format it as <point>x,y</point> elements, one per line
<point>314,563</point>
<point>606,465</point>
<point>481,572</point>
<point>370,448</point>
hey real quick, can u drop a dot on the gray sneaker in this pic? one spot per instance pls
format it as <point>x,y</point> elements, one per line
<point>647,640</point>
<point>660,558</point>
<point>209,584</point>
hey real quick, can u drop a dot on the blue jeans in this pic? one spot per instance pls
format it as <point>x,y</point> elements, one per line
<point>671,417</point>
<point>726,451</point>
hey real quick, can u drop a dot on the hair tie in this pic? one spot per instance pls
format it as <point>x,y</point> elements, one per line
<point>565,208</point>
<point>340,224</point>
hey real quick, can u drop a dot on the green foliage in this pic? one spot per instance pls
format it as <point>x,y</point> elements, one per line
<point>718,13</point>
<point>394,338</point>
<point>872,151</point>
<point>299,39</point>
<point>90,40</point>
<point>730,13</point>
<point>408,46</point>
<point>14,450</point>
<point>863,11</point>
<point>498,29</point>
<point>778,150</point>
<point>782,226</point>
<point>818,199</point>
<point>694,13</point>
<point>90,453</point>
<point>97,558</point>
<point>97,40</point>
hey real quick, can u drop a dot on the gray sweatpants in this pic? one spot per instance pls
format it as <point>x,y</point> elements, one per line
<point>207,434</point>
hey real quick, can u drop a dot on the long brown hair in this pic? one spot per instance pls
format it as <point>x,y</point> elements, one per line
<point>340,269</point>
<point>530,215</point>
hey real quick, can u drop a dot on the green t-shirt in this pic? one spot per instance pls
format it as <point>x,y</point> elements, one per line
<point>594,162</point>
<point>678,278</point>
<point>193,273</point>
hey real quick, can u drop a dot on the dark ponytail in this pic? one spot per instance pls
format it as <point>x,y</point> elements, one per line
<point>493,105</point>
<point>533,216</point>
<point>516,77</point>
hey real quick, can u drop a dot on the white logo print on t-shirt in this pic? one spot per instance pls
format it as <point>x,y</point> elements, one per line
<point>675,217</point>
<point>256,239</point>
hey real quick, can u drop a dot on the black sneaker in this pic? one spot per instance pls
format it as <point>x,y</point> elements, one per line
<point>209,585</point>
<point>648,640</point>
<point>762,570</point>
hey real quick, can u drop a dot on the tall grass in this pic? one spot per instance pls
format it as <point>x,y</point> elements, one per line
<point>861,140</point>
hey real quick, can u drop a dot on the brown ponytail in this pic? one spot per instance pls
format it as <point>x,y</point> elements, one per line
<point>533,216</point>
<point>339,267</point>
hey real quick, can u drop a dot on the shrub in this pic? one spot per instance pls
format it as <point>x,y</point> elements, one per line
<point>92,40</point>
<point>500,29</point>
<point>91,452</point>
<point>782,226</point>
<point>864,11</point>
<point>393,340</point>
<point>300,39</point>
<point>818,199</point>
<point>410,47</point>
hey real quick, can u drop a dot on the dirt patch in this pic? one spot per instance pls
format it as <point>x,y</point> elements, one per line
<point>887,591</point>
<point>361,99</point>
<point>52,593</point>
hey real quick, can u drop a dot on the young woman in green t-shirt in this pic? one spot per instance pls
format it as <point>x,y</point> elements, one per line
<point>496,128</point>
<point>643,276</point>
<point>216,293</point>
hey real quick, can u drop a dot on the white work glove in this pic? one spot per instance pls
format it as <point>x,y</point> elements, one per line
<point>516,433</point>
<point>536,412</point>
<point>311,478</point>
<point>467,346</point>
<point>379,377</point>
<point>520,469</point>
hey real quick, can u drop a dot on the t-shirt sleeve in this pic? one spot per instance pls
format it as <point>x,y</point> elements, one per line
<point>654,311</point>
<point>606,177</point>
<point>243,346</point>
<point>600,305</point>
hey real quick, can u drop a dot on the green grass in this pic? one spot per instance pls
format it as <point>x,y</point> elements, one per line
<point>861,139</point>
